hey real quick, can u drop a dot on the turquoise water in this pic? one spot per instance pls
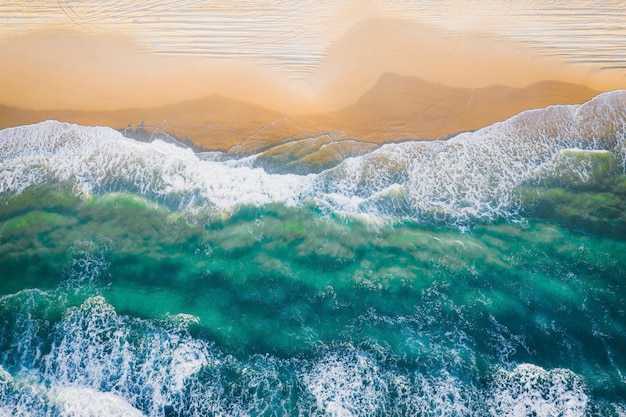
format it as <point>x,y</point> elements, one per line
<point>479,276</point>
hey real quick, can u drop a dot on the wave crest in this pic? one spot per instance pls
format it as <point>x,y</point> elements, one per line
<point>470,177</point>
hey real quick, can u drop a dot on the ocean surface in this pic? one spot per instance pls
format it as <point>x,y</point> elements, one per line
<point>484,275</point>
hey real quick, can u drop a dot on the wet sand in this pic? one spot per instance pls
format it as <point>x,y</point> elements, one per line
<point>384,80</point>
<point>396,108</point>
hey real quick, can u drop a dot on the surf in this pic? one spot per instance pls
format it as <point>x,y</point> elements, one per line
<point>479,276</point>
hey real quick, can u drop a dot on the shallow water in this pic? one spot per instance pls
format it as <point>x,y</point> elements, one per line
<point>480,276</point>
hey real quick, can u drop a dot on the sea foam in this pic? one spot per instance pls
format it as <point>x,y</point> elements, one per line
<point>104,363</point>
<point>531,390</point>
<point>473,176</point>
<point>79,401</point>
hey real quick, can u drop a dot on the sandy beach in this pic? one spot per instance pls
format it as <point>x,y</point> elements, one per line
<point>397,108</point>
<point>383,80</point>
<point>414,208</point>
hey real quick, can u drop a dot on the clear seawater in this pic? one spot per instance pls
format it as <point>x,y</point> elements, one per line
<point>484,275</point>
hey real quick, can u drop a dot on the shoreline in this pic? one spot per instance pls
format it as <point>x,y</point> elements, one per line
<point>396,109</point>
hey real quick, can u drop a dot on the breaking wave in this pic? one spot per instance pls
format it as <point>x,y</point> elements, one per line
<point>102,363</point>
<point>471,177</point>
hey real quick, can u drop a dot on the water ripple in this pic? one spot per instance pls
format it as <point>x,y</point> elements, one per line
<point>293,35</point>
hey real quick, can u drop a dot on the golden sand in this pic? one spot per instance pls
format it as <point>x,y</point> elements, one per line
<point>53,69</point>
<point>384,80</point>
<point>396,108</point>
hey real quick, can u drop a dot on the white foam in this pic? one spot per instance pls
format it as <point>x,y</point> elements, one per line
<point>21,397</point>
<point>106,161</point>
<point>620,409</point>
<point>89,264</point>
<point>472,176</point>
<point>346,384</point>
<point>24,332</point>
<point>531,390</point>
<point>5,377</point>
<point>28,397</point>
<point>102,363</point>
<point>81,401</point>
<point>440,395</point>
<point>99,350</point>
<point>49,137</point>
<point>578,167</point>
<point>475,176</point>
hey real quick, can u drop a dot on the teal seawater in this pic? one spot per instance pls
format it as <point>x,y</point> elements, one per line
<point>481,276</point>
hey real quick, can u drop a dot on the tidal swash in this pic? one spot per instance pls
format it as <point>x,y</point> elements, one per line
<point>484,275</point>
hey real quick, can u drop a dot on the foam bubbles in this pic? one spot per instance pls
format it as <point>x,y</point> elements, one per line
<point>575,167</point>
<point>531,390</point>
<point>103,363</point>
<point>620,409</point>
<point>347,384</point>
<point>88,264</point>
<point>48,151</point>
<point>441,395</point>
<point>79,401</point>
<point>471,177</point>
<point>142,364</point>
<point>98,160</point>
<point>21,399</point>
<point>474,176</point>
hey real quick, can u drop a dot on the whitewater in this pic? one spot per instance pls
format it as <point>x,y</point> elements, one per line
<point>481,275</point>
